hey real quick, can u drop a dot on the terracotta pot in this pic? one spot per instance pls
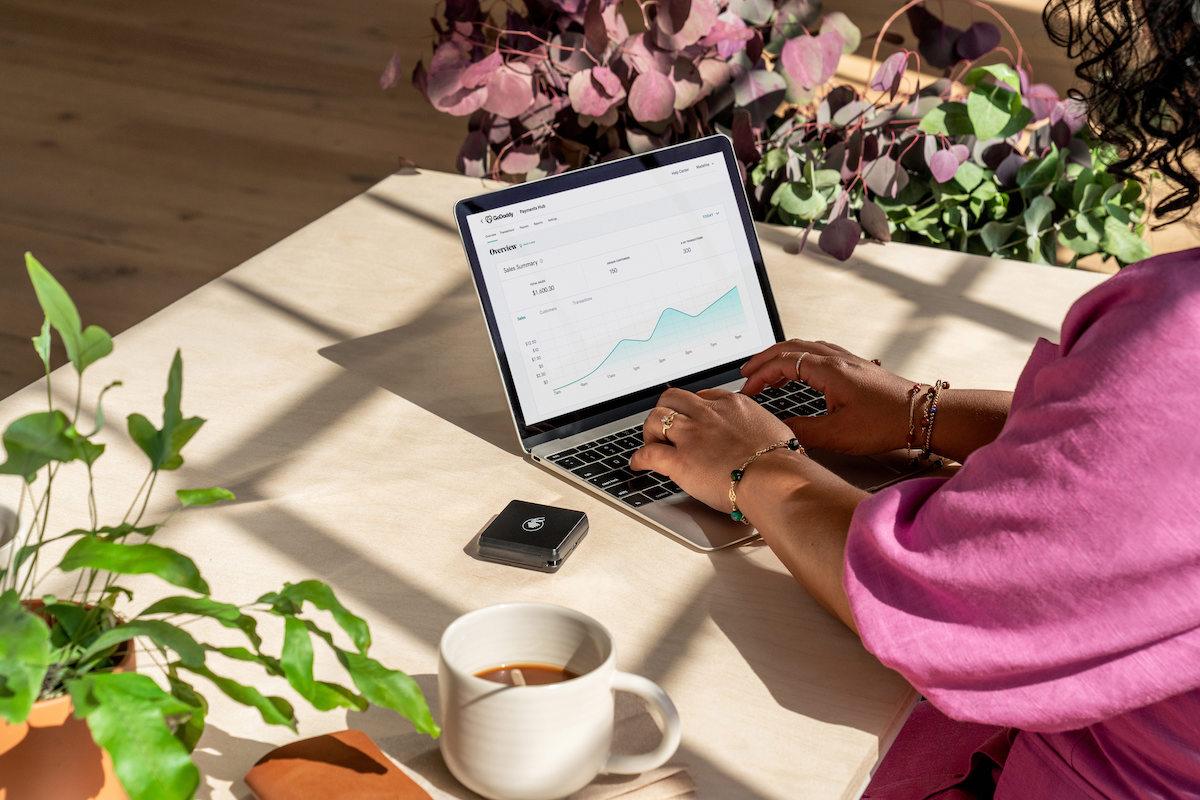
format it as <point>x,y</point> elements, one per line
<point>51,756</point>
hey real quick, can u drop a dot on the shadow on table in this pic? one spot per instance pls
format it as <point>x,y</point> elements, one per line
<point>442,361</point>
<point>777,644</point>
<point>231,759</point>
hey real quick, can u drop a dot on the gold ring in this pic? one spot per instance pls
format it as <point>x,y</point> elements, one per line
<point>799,358</point>
<point>668,421</point>
<point>877,362</point>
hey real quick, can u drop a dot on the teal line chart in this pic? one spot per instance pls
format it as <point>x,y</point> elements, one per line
<point>673,326</point>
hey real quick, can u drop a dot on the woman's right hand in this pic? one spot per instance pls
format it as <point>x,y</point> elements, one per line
<point>868,406</point>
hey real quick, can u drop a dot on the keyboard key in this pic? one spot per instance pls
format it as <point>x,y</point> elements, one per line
<point>616,462</point>
<point>777,407</point>
<point>620,490</point>
<point>672,487</point>
<point>657,492</point>
<point>570,462</point>
<point>761,399</point>
<point>628,443</point>
<point>772,392</point>
<point>570,452</point>
<point>591,470</point>
<point>658,476</point>
<point>637,500</point>
<point>642,482</point>
<point>608,438</point>
<point>588,456</point>
<point>611,478</point>
<point>609,449</point>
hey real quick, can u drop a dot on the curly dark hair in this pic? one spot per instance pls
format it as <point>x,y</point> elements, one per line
<point>1139,61</point>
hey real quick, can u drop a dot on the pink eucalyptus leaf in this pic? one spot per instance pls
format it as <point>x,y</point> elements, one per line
<point>977,40</point>
<point>961,152</point>
<point>1070,112</point>
<point>681,23</point>
<point>840,237</point>
<point>509,92</point>
<point>391,73</point>
<point>874,221</point>
<point>481,71</point>
<point>943,165</point>
<point>519,159</point>
<point>643,55</point>
<point>745,142</point>
<point>472,156</point>
<point>566,52</point>
<point>887,77</point>
<point>595,32</point>
<point>594,91</point>
<point>685,77</point>
<point>851,35</point>
<point>729,35</point>
<point>651,97</point>
<point>714,74</point>
<point>642,141</point>
<point>443,82</point>
<point>1041,98</point>
<point>811,60</point>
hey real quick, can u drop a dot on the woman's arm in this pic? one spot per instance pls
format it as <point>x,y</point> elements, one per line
<point>803,513</point>
<point>869,407</point>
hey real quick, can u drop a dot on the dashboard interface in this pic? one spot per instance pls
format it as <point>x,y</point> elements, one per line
<point>625,284</point>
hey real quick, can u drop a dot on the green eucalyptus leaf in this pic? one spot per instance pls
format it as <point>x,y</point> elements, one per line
<point>969,176</point>
<point>164,634</point>
<point>948,119</point>
<point>1070,236</point>
<point>227,614</point>
<point>1001,72</point>
<point>134,559</point>
<point>389,688</point>
<point>1123,243</point>
<point>826,178</point>
<point>41,344</point>
<point>24,657</point>
<point>204,497</point>
<point>1090,226</point>
<point>800,200</point>
<point>774,160</point>
<point>995,235</point>
<point>1038,216</point>
<point>290,600</point>
<point>1036,175</point>
<point>127,714</point>
<point>35,440</point>
<point>995,111</point>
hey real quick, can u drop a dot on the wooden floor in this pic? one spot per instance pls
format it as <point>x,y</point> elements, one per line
<point>147,147</point>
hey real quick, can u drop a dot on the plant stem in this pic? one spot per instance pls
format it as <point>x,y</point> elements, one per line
<point>12,553</point>
<point>133,505</point>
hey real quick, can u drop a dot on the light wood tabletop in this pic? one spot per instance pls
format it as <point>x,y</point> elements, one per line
<point>355,408</point>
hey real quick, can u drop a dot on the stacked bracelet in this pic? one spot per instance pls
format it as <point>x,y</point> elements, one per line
<point>911,441</point>
<point>736,475</point>
<point>931,410</point>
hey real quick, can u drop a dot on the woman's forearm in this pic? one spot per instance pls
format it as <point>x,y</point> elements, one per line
<point>803,512</point>
<point>967,419</point>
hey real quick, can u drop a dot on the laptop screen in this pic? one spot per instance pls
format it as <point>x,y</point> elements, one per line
<point>607,289</point>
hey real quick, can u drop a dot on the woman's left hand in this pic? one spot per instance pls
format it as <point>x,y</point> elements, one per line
<point>711,433</point>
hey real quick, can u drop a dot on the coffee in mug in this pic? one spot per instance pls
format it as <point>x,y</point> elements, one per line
<point>551,736</point>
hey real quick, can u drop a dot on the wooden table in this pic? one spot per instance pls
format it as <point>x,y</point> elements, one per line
<point>355,409</point>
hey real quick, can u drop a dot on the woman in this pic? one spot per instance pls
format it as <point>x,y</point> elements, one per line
<point>1045,599</point>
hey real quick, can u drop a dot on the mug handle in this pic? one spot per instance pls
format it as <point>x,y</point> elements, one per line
<point>672,732</point>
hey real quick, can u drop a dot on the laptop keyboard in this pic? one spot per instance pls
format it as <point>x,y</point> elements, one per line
<point>604,462</point>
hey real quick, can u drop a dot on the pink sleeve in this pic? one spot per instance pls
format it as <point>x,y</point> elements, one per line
<point>1055,580</point>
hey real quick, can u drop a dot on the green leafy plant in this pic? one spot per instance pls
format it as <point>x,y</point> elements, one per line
<point>70,645</point>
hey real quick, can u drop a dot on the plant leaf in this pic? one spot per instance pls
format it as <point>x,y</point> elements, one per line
<point>800,200</point>
<point>990,110</point>
<point>651,97</point>
<point>273,710</point>
<point>996,234</point>
<point>887,77</point>
<point>126,713</point>
<point>390,688</point>
<point>162,447</point>
<point>290,600</point>
<point>840,237</point>
<point>204,497</point>
<point>91,552</point>
<point>227,614</point>
<point>979,39</point>
<point>874,221</point>
<point>41,343</point>
<point>1123,243</point>
<point>189,732</point>
<point>100,407</point>
<point>850,34</point>
<point>34,440</point>
<point>164,634</point>
<point>24,657</point>
<point>297,663</point>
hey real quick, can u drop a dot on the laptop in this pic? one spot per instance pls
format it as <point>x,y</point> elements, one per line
<point>603,286</point>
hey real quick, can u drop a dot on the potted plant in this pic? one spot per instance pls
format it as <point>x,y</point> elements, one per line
<point>979,159</point>
<point>72,697</point>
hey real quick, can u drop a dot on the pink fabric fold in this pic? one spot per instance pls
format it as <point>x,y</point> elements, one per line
<point>1053,584</point>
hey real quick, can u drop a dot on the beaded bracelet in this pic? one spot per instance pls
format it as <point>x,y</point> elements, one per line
<point>911,441</point>
<point>736,475</point>
<point>930,415</point>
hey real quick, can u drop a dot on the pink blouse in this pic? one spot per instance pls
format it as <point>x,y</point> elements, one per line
<point>1053,583</point>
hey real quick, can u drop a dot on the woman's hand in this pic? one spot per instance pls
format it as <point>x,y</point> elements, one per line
<point>868,406</point>
<point>711,433</point>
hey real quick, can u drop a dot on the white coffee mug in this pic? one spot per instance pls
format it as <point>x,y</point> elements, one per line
<point>545,741</point>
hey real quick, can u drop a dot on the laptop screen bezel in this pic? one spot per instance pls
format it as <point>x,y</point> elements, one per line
<point>592,416</point>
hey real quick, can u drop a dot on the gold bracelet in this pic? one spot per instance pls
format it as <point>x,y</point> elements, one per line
<point>736,475</point>
<point>930,415</point>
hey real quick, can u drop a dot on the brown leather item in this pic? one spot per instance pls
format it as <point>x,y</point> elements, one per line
<point>345,764</point>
